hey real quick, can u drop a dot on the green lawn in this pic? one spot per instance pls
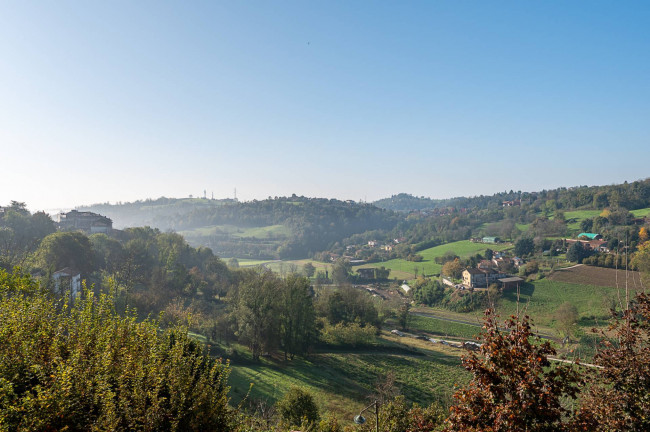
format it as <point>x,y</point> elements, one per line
<point>403,269</point>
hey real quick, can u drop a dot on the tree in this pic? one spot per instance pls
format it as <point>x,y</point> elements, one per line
<point>66,249</point>
<point>513,388</point>
<point>489,253</point>
<point>256,311</point>
<point>308,269</point>
<point>453,269</point>
<point>233,263</point>
<point>341,271</point>
<point>567,317</point>
<point>524,246</point>
<point>618,399</point>
<point>576,252</point>
<point>404,315</point>
<point>297,315</point>
<point>298,408</point>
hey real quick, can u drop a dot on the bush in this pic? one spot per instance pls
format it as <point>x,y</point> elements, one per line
<point>83,367</point>
<point>352,334</point>
<point>297,408</point>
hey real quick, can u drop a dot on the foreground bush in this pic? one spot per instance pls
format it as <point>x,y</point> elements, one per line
<point>82,367</point>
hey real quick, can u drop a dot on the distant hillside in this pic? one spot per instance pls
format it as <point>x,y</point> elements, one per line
<point>286,227</point>
<point>631,196</point>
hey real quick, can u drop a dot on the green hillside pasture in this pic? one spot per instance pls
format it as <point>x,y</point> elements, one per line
<point>641,212</point>
<point>280,266</point>
<point>340,382</point>
<point>271,231</point>
<point>403,269</point>
<point>245,262</point>
<point>542,298</point>
<point>444,328</point>
<point>579,216</point>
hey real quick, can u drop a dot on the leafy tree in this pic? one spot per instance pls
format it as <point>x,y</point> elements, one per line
<point>567,317</point>
<point>298,408</point>
<point>233,263</point>
<point>256,311</point>
<point>586,225</point>
<point>618,399</point>
<point>524,246</point>
<point>341,271</point>
<point>308,269</point>
<point>513,388</point>
<point>453,269</point>
<point>297,315</point>
<point>576,252</point>
<point>65,249</point>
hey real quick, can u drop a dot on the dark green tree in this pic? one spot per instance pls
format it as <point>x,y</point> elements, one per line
<point>297,315</point>
<point>297,408</point>
<point>524,246</point>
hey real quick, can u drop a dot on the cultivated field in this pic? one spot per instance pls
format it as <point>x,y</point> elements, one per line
<point>588,275</point>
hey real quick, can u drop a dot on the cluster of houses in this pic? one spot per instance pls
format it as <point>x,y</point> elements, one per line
<point>489,240</point>
<point>488,272</point>
<point>590,241</point>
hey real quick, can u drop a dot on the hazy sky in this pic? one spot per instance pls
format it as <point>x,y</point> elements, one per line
<point>118,101</point>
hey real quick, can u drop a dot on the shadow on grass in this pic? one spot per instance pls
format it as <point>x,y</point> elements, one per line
<point>526,291</point>
<point>351,376</point>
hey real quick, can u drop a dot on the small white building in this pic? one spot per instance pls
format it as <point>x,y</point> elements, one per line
<point>68,274</point>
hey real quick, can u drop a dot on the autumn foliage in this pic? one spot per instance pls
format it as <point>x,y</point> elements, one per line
<point>514,387</point>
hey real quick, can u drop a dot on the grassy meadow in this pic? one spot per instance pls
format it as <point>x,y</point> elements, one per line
<point>341,381</point>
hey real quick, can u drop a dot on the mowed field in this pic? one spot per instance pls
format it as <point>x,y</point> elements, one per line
<point>403,269</point>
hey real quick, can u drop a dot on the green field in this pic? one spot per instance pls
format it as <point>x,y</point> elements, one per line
<point>641,212</point>
<point>403,269</point>
<point>443,328</point>
<point>271,231</point>
<point>579,216</point>
<point>542,298</point>
<point>341,382</point>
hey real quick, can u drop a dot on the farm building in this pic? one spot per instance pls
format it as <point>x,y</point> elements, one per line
<point>510,282</point>
<point>481,278</point>
<point>590,236</point>
<point>490,240</point>
<point>366,273</point>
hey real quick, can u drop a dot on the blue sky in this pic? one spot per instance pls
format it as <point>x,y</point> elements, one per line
<point>118,101</point>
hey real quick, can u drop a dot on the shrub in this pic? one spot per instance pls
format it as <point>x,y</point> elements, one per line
<point>298,408</point>
<point>82,367</point>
